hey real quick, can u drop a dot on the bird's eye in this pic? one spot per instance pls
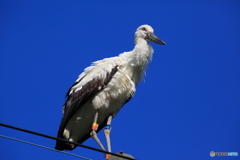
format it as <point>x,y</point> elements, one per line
<point>144,29</point>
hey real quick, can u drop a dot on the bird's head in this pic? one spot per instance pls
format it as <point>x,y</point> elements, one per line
<point>146,32</point>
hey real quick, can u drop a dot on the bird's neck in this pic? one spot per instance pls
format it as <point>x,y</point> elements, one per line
<point>138,59</point>
<point>142,52</point>
<point>140,55</point>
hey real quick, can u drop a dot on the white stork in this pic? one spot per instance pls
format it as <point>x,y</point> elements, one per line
<point>102,90</point>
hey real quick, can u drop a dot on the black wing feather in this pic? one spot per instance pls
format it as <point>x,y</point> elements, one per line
<point>76,100</point>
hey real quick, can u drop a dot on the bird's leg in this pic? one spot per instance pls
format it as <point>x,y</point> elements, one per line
<point>107,131</point>
<point>93,133</point>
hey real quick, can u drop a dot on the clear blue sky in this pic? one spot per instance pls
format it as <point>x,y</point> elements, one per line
<point>187,106</point>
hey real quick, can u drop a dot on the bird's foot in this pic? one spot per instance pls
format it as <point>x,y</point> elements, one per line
<point>108,156</point>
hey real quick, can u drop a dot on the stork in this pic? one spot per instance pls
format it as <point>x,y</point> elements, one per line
<point>101,91</point>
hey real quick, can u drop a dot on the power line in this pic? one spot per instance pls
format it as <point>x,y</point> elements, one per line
<point>44,147</point>
<point>66,141</point>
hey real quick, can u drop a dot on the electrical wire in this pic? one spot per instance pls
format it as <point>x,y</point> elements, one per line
<point>66,141</point>
<point>44,147</point>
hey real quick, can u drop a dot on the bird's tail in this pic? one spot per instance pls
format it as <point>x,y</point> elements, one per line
<point>61,145</point>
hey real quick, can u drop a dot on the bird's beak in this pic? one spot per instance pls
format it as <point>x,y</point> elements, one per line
<point>152,37</point>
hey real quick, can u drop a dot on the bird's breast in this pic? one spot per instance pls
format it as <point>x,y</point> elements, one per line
<point>115,93</point>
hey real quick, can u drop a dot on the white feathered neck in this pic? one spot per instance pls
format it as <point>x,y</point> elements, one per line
<point>138,59</point>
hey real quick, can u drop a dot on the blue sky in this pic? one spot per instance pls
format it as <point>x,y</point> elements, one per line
<point>187,106</point>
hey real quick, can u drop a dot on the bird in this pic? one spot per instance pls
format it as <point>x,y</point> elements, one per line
<point>102,89</point>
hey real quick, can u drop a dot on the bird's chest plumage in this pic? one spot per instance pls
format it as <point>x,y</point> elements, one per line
<point>115,94</point>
